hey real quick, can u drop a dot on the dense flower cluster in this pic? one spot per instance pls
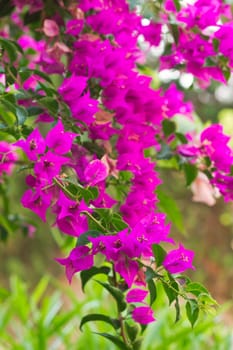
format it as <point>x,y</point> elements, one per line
<point>212,153</point>
<point>116,109</point>
<point>199,47</point>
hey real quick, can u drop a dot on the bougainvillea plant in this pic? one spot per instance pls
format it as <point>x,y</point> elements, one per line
<point>86,126</point>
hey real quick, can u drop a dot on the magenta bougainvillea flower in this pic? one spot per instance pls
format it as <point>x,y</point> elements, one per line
<point>95,172</point>
<point>127,268</point>
<point>143,315</point>
<point>49,165</point>
<point>69,217</point>
<point>80,258</point>
<point>8,157</point>
<point>59,140</point>
<point>179,260</point>
<point>38,201</point>
<point>50,28</point>
<point>215,146</point>
<point>74,26</point>
<point>136,295</point>
<point>33,146</point>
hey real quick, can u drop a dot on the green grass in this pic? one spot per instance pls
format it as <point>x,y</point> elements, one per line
<point>47,317</point>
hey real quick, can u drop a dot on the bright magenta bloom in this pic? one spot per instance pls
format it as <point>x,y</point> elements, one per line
<point>143,315</point>
<point>136,295</point>
<point>179,260</point>
<point>33,146</point>
<point>78,260</point>
<point>59,140</point>
<point>7,157</point>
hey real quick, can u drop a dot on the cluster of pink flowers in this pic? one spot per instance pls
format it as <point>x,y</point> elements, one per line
<point>213,154</point>
<point>122,115</point>
<point>202,46</point>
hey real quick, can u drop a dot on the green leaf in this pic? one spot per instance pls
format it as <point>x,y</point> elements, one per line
<point>10,48</point>
<point>31,18</point>
<point>210,62</point>
<point>177,307</point>
<point>11,75</point>
<point>159,254</point>
<point>7,112</point>
<point>88,194</point>
<point>150,274</point>
<point>115,340</point>
<point>83,239</point>
<point>165,152</point>
<point>50,104</point>
<point>175,32</point>
<point>177,5</point>
<point>94,192</point>
<point>169,127</point>
<point>5,7</point>
<point>171,289</point>
<point>25,73</point>
<point>216,44</point>
<point>190,172</point>
<point>10,105</point>
<point>104,214</point>
<point>226,72</point>
<point>117,222</point>
<point>137,345</point>
<point>6,224</point>
<point>3,234</point>
<point>2,88</point>
<point>21,114</point>
<point>168,205</point>
<point>181,137</point>
<point>132,330</point>
<point>86,275</point>
<point>171,294</point>
<point>152,290</point>
<point>192,311</point>
<point>207,299</point>
<point>34,110</point>
<point>50,91</point>
<point>65,110</point>
<point>42,75</point>
<point>116,294</point>
<point>99,317</point>
<point>196,288</point>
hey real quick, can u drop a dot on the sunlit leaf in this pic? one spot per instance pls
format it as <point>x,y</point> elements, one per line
<point>117,295</point>
<point>86,275</point>
<point>115,323</point>
<point>192,311</point>
<point>115,340</point>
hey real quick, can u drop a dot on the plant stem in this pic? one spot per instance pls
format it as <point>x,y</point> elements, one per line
<point>124,337</point>
<point>121,319</point>
<point>64,189</point>
<point>94,220</point>
<point>5,201</point>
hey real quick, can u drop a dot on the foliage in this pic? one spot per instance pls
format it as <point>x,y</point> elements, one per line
<point>47,316</point>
